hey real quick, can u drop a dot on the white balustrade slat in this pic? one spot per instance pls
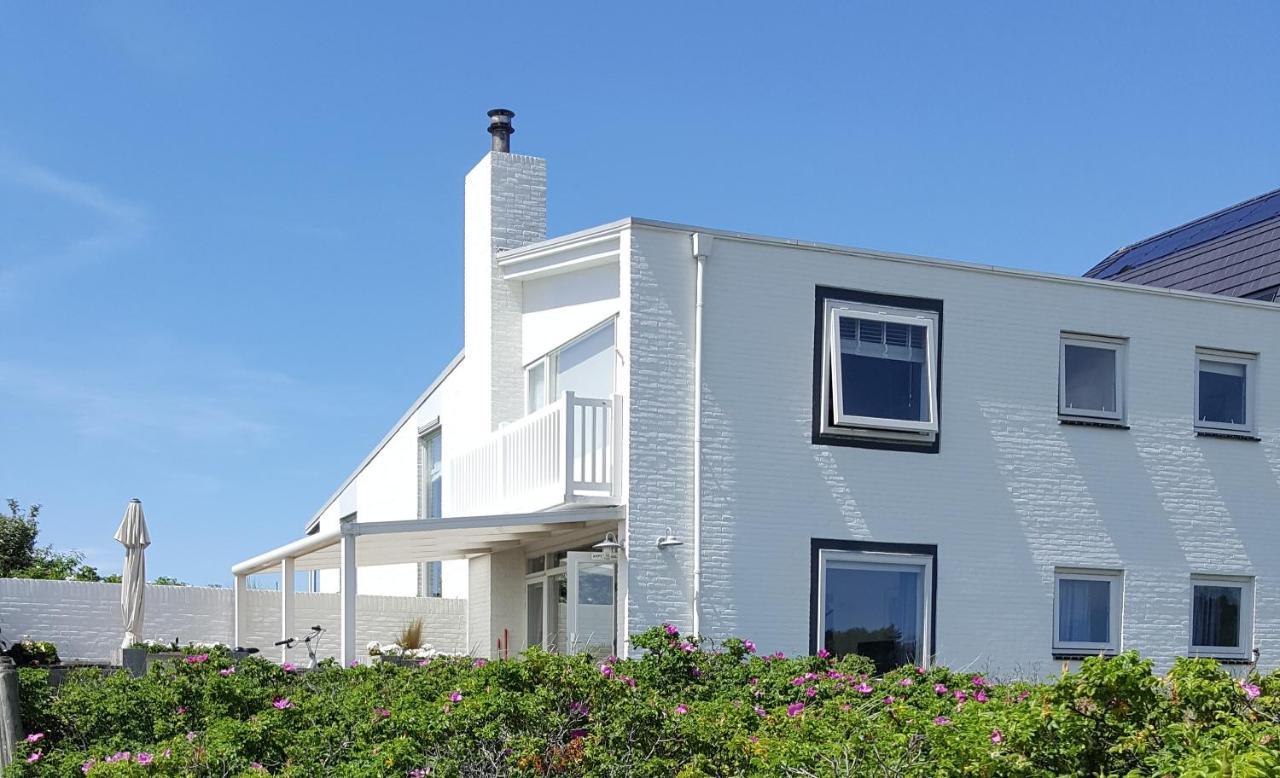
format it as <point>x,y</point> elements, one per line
<point>561,452</point>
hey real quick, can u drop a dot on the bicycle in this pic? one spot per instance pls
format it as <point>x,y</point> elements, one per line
<point>312,641</point>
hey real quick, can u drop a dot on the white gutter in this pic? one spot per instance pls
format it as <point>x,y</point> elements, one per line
<point>701,250</point>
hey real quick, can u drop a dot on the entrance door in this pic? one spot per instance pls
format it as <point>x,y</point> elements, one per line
<point>592,611</point>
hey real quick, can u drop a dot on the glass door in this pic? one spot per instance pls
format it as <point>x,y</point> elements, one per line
<point>592,613</point>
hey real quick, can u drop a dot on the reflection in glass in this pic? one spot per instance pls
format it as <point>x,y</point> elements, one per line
<point>1222,392</point>
<point>884,373</point>
<point>1084,611</point>
<point>1215,619</point>
<point>1089,378</point>
<point>534,610</point>
<point>874,611</point>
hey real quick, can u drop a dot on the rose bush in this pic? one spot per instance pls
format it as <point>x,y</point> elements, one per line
<point>682,707</point>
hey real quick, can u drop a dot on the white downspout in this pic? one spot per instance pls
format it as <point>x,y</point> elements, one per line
<point>701,250</point>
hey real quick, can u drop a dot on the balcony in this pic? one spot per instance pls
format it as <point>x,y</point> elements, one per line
<point>563,454</point>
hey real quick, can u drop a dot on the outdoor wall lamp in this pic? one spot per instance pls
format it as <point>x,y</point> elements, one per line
<point>669,540</point>
<point>609,547</point>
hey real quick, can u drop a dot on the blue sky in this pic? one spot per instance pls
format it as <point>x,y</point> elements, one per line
<point>230,233</point>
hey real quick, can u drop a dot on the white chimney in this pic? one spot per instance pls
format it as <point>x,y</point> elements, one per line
<point>505,208</point>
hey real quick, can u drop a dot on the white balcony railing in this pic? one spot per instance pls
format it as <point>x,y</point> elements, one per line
<point>565,453</point>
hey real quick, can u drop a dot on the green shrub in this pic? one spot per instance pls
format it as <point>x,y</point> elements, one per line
<point>33,653</point>
<point>682,707</point>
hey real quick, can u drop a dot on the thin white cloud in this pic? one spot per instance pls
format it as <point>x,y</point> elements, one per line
<point>100,404</point>
<point>119,225</point>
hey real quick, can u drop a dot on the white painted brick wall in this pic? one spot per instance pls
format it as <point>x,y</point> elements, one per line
<point>506,208</point>
<point>83,619</point>
<point>660,427</point>
<point>1012,493</point>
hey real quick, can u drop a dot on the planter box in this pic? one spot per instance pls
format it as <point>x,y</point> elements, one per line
<point>138,661</point>
<point>58,673</point>
<point>403,661</point>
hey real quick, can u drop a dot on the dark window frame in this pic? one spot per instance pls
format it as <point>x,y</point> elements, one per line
<point>820,386</point>
<point>817,545</point>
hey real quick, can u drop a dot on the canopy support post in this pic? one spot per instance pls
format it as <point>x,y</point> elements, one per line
<point>241,602</point>
<point>347,609</point>
<point>286,604</point>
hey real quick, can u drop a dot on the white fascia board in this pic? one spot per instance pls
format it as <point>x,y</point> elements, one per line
<point>457,360</point>
<point>952,264</point>
<point>564,255</point>
<point>552,244</point>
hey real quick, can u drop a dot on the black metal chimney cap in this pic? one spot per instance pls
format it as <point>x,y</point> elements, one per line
<point>500,128</point>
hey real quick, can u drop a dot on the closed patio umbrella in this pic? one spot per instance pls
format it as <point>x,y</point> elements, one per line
<point>133,535</point>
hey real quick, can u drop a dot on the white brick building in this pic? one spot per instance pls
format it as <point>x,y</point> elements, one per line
<point>916,459</point>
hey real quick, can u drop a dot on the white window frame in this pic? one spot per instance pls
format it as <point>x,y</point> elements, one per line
<point>1116,606</point>
<point>550,361</point>
<point>881,560</point>
<point>1246,585</point>
<point>547,363</point>
<point>425,433</point>
<point>833,391</point>
<point>1120,347</point>
<point>1250,362</point>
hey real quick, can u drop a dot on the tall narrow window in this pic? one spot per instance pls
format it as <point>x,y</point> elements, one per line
<point>536,386</point>
<point>1224,391</point>
<point>1086,615</point>
<point>875,604</point>
<point>430,474</point>
<point>1221,616</point>
<point>880,371</point>
<point>1091,377</point>
<point>430,497</point>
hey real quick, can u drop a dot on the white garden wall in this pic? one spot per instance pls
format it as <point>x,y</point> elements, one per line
<point>83,619</point>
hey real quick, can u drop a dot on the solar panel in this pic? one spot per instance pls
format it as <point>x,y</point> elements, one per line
<point>1206,228</point>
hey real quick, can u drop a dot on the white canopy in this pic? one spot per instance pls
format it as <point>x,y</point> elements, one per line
<point>393,542</point>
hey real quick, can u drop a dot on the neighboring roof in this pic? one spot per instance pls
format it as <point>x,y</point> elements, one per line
<point>1178,240</point>
<point>1243,263</point>
<point>315,520</point>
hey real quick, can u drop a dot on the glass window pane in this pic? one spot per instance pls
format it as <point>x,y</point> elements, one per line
<point>1222,392</point>
<point>535,564</point>
<point>558,612</point>
<point>585,366</point>
<point>1215,619</point>
<point>874,612</point>
<point>431,471</point>
<point>883,369</point>
<point>595,584</point>
<point>595,612</point>
<point>536,376</point>
<point>1090,378</point>
<point>533,607</point>
<point>1084,611</point>
<point>433,579</point>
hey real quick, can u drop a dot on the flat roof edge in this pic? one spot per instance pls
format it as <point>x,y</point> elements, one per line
<point>834,248</point>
